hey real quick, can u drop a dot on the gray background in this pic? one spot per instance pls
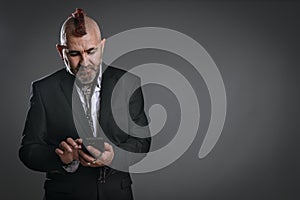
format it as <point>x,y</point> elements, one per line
<point>256,48</point>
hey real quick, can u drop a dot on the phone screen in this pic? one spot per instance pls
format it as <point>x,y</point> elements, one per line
<point>96,142</point>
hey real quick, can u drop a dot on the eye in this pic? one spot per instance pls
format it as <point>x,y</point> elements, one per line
<point>91,51</point>
<point>74,53</point>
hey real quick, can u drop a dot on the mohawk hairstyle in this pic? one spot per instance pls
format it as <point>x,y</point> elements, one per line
<point>78,17</point>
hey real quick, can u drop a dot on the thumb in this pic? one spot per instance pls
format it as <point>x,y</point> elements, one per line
<point>108,147</point>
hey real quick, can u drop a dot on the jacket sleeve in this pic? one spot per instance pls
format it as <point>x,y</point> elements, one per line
<point>34,152</point>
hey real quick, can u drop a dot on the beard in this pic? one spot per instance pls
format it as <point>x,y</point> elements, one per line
<point>87,74</point>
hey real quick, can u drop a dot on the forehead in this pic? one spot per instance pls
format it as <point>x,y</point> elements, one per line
<point>87,41</point>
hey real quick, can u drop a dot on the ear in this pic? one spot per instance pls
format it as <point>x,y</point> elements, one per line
<point>102,44</point>
<point>59,49</point>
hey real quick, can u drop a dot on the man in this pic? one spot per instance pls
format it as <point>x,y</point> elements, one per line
<point>55,133</point>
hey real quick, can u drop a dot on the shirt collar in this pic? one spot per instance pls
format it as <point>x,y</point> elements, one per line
<point>98,86</point>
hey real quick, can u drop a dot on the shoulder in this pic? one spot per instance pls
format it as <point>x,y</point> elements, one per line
<point>117,73</point>
<point>52,79</point>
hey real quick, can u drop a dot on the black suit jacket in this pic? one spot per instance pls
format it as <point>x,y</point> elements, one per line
<point>50,120</point>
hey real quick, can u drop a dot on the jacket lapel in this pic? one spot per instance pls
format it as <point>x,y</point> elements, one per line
<point>107,84</point>
<point>72,97</point>
<point>81,123</point>
<point>66,86</point>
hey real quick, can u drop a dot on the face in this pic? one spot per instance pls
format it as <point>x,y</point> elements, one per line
<point>83,55</point>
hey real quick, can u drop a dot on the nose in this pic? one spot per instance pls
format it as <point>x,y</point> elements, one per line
<point>84,61</point>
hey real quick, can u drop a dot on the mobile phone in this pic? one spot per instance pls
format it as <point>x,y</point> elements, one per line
<point>96,142</point>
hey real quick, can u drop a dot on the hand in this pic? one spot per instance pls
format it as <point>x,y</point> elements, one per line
<point>68,150</point>
<point>99,158</point>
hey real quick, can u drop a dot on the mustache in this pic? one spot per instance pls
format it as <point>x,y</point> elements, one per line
<point>81,67</point>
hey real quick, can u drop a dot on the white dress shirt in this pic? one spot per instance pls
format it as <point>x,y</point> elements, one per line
<point>95,103</point>
<point>95,108</point>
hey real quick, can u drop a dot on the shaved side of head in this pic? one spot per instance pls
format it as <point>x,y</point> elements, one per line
<point>68,29</point>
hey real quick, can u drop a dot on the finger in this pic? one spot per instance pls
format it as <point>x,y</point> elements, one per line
<point>59,152</point>
<point>84,162</point>
<point>85,156</point>
<point>95,152</point>
<point>96,163</point>
<point>108,147</point>
<point>107,156</point>
<point>64,146</point>
<point>79,141</point>
<point>72,143</point>
<point>103,157</point>
<point>75,155</point>
<point>90,162</point>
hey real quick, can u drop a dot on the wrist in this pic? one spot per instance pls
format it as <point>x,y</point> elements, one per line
<point>71,167</point>
<point>68,163</point>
